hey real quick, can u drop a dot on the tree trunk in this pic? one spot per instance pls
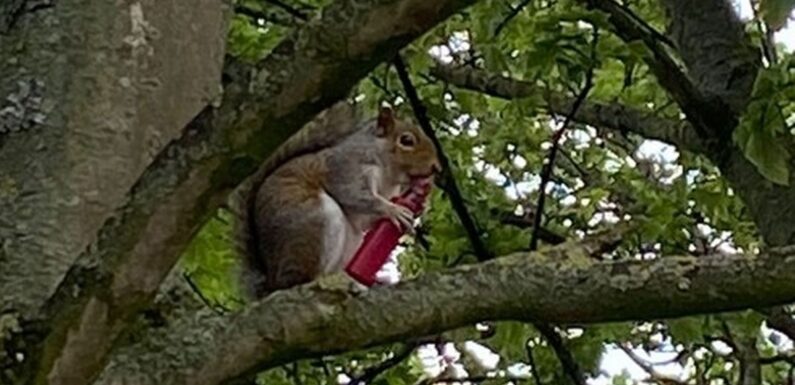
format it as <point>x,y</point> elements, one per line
<point>90,91</point>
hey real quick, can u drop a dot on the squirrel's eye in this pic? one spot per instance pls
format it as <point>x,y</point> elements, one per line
<point>407,140</point>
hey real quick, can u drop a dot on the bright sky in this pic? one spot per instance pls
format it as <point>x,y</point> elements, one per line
<point>614,361</point>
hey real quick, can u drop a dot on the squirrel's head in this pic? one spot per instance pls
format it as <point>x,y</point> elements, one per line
<point>413,152</point>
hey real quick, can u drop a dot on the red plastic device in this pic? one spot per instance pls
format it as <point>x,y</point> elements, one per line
<point>379,242</point>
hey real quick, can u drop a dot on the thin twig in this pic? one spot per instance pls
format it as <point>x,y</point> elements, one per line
<point>512,14</point>
<point>292,371</point>
<point>546,171</point>
<point>728,336</point>
<point>532,362</point>
<point>381,85</point>
<point>218,308</point>
<point>371,373</point>
<point>447,183</point>
<point>768,43</point>
<point>648,368</point>
<point>525,222</point>
<point>570,366</point>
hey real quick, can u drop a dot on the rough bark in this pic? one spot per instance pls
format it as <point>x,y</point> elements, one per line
<point>558,285</point>
<point>716,50</point>
<point>89,91</point>
<point>771,206</point>
<point>119,274</point>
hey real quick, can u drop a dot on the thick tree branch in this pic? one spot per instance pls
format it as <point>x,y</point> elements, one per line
<point>312,68</point>
<point>712,42</point>
<point>613,116</point>
<point>557,285</point>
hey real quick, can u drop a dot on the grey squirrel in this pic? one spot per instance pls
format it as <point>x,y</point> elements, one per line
<point>306,209</point>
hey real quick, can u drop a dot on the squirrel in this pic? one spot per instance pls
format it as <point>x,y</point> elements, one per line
<point>305,211</point>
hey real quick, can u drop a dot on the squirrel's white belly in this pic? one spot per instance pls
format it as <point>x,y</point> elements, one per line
<point>340,239</point>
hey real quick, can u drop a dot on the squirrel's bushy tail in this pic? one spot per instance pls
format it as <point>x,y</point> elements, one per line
<point>252,266</point>
<point>326,129</point>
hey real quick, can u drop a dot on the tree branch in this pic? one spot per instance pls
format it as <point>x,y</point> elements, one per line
<point>648,368</point>
<point>532,362</point>
<point>119,274</point>
<point>748,357</point>
<point>514,11</point>
<point>567,361</point>
<point>371,373</point>
<point>548,167</point>
<point>481,252</point>
<point>526,222</point>
<point>613,116</point>
<point>546,286</point>
<point>570,366</point>
<point>720,58</point>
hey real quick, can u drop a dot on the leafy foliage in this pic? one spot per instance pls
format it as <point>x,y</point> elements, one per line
<point>776,12</point>
<point>681,203</point>
<point>765,122</point>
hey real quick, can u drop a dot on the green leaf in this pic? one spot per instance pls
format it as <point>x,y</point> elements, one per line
<point>770,157</point>
<point>762,128</point>
<point>776,12</point>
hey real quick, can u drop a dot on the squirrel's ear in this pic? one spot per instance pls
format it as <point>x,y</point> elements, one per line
<point>386,121</point>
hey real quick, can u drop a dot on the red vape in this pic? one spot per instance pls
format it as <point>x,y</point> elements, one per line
<point>379,242</point>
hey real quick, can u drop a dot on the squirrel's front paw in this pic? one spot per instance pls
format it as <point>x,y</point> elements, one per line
<point>401,216</point>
